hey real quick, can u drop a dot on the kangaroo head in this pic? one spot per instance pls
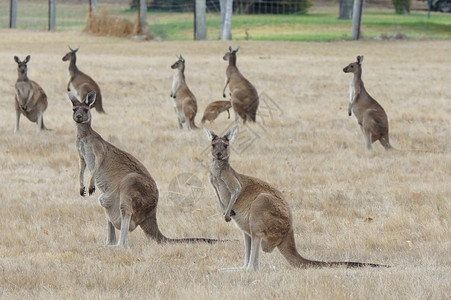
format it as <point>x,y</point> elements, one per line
<point>179,64</point>
<point>355,66</point>
<point>22,65</point>
<point>231,54</point>
<point>70,54</point>
<point>81,110</point>
<point>220,145</point>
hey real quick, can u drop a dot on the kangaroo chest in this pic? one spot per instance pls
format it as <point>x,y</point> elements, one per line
<point>23,89</point>
<point>353,101</point>
<point>176,83</point>
<point>220,187</point>
<point>86,151</point>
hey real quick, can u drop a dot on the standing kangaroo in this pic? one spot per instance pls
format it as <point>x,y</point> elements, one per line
<point>30,98</point>
<point>244,95</point>
<point>81,82</point>
<point>129,194</point>
<point>257,208</point>
<point>184,100</point>
<point>369,114</point>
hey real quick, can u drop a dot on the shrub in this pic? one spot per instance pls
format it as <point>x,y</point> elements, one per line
<point>401,6</point>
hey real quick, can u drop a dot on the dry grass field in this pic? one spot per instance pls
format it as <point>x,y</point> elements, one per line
<point>348,204</point>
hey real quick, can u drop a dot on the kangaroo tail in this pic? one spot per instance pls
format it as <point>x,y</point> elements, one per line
<point>289,251</point>
<point>150,228</point>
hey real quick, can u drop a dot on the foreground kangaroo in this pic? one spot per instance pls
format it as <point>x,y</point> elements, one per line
<point>81,82</point>
<point>184,101</point>
<point>213,110</point>
<point>369,114</point>
<point>30,98</point>
<point>129,194</point>
<point>257,208</point>
<point>244,95</point>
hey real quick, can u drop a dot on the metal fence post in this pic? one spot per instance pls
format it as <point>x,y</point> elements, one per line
<point>13,14</point>
<point>357,13</point>
<point>52,14</point>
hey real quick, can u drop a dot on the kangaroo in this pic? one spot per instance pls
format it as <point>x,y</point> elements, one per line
<point>129,194</point>
<point>30,98</point>
<point>82,83</point>
<point>369,114</point>
<point>184,101</point>
<point>213,110</point>
<point>244,95</point>
<point>258,209</point>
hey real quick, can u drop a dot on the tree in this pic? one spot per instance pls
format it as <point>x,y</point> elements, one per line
<point>226,19</point>
<point>200,21</point>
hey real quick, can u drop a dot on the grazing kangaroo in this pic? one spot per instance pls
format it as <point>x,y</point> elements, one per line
<point>30,98</point>
<point>257,208</point>
<point>81,82</point>
<point>213,110</point>
<point>244,95</point>
<point>129,194</point>
<point>184,101</point>
<point>369,114</point>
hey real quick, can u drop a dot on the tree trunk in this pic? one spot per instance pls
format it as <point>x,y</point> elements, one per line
<point>345,9</point>
<point>200,23</point>
<point>226,22</point>
<point>143,27</point>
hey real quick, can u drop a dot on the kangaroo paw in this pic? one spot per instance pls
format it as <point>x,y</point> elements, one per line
<point>91,190</point>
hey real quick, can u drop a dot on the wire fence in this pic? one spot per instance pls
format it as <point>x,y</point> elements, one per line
<point>252,19</point>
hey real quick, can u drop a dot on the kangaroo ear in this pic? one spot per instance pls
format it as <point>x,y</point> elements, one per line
<point>210,134</point>
<point>230,135</point>
<point>230,48</point>
<point>90,98</point>
<point>27,59</point>
<point>236,50</point>
<point>360,59</point>
<point>73,99</point>
<point>16,59</point>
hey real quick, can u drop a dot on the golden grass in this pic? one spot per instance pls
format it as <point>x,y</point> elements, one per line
<point>110,25</point>
<point>348,204</point>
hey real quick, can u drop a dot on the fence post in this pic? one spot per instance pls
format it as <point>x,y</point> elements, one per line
<point>357,13</point>
<point>52,14</point>
<point>200,20</point>
<point>13,14</point>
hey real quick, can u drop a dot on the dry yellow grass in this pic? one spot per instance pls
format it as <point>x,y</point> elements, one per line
<point>348,204</point>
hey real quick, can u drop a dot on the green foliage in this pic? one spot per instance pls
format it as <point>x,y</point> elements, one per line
<point>301,6</point>
<point>402,6</point>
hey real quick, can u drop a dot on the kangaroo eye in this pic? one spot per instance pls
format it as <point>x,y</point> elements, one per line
<point>213,145</point>
<point>85,110</point>
<point>225,146</point>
